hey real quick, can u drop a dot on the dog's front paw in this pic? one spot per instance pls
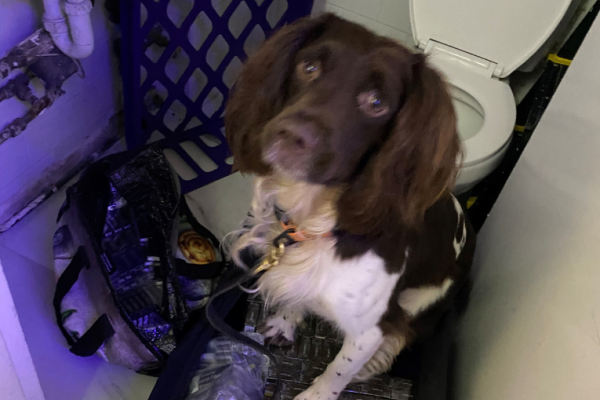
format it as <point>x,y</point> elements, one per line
<point>319,390</point>
<point>278,331</point>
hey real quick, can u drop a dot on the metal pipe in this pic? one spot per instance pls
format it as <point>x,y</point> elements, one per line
<point>80,42</point>
<point>19,124</point>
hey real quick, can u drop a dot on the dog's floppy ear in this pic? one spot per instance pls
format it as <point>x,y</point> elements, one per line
<point>414,166</point>
<point>259,92</point>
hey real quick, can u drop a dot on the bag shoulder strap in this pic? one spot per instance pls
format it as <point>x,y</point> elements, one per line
<point>100,330</point>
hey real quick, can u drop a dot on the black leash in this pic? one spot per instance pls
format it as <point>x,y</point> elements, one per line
<point>272,259</point>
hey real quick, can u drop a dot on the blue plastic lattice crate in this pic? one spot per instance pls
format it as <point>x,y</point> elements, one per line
<point>180,59</point>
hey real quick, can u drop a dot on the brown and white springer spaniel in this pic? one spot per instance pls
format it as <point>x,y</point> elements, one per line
<point>354,138</point>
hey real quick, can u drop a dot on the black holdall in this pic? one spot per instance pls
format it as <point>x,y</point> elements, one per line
<point>135,269</point>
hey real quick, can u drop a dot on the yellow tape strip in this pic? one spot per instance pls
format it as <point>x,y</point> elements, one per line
<point>559,60</point>
<point>520,128</point>
<point>471,201</point>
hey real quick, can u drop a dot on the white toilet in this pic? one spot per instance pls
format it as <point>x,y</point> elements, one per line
<point>476,44</point>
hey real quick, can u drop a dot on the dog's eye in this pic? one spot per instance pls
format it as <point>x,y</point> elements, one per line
<point>372,104</point>
<point>309,70</point>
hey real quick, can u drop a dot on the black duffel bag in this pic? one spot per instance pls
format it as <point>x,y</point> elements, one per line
<point>134,266</point>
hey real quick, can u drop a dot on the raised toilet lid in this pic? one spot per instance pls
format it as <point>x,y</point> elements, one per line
<point>507,32</point>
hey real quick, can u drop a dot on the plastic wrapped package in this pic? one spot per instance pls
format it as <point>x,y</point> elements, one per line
<point>229,370</point>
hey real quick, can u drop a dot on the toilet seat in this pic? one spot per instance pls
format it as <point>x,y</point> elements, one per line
<point>506,32</point>
<point>474,43</point>
<point>497,103</point>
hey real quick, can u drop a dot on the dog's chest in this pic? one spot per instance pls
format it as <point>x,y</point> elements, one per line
<point>351,293</point>
<point>357,292</point>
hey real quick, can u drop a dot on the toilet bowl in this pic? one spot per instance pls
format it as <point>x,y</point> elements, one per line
<point>477,44</point>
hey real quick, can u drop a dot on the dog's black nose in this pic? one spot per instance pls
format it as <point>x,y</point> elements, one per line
<point>297,136</point>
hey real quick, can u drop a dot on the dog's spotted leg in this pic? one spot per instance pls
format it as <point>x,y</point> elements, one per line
<point>355,352</point>
<point>279,329</point>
